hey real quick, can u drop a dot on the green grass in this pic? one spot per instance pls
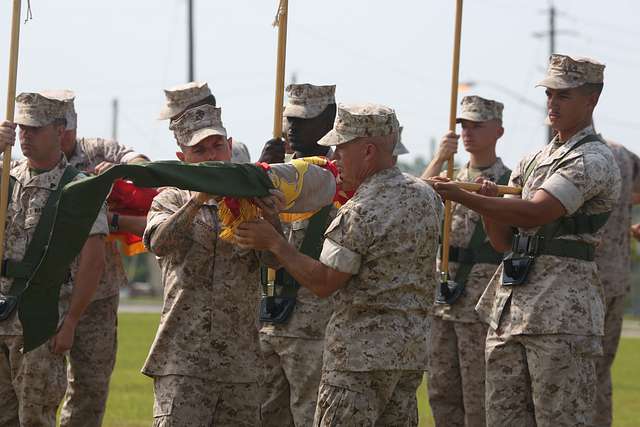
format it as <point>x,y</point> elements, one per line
<point>131,396</point>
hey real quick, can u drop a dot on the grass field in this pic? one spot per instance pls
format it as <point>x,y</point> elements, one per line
<point>131,397</point>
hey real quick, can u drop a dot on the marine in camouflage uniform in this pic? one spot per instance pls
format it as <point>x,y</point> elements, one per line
<point>205,359</point>
<point>182,97</point>
<point>32,384</point>
<point>456,354</point>
<point>380,269</point>
<point>545,332</point>
<point>293,350</point>
<point>613,258</point>
<point>93,355</point>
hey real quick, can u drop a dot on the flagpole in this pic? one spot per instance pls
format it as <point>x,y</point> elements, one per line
<point>444,261</point>
<point>281,22</point>
<point>10,112</point>
<point>278,105</point>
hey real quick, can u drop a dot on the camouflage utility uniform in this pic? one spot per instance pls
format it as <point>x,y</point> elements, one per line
<point>613,258</point>
<point>545,335</point>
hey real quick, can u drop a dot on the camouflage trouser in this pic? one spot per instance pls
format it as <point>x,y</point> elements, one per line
<point>91,362</point>
<point>182,401</point>
<point>377,398</point>
<point>541,380</point>
<point>456,373</point>
<point>31,384</point>
<point>291,381</point>
<point>612,330</point>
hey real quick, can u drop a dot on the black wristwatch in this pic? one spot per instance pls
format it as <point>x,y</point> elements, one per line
<point>114,225</point>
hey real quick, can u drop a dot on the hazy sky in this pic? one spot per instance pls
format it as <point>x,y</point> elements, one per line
<point>396,53</point>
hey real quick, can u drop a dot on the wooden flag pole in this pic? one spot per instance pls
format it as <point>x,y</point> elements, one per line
<point>471,186</point>
<point>11,104</point>
<point>281,21</point>
<point>444,263</point>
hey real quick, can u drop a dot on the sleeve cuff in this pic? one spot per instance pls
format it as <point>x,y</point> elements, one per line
<point>100,226</point>
<point>340,258</point>
<point>565,191</point>
<point>130,156</point>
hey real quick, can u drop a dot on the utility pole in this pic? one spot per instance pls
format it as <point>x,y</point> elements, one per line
<point>191,75</point>
<point>552,50</point>
<point>114,119</point>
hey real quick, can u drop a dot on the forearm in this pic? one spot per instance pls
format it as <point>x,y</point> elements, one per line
<point>132,224</point>
<point>138,159</point>
<point>308,272</point>
<point>509,212</point>
<point>500,235</point>
<point>173,231</point>
<point>433,169</point>
<point>86,281</point>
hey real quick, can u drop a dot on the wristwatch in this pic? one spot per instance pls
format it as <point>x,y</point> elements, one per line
<point>114,225</point>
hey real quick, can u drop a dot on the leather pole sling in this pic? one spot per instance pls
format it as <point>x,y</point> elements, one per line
<point>22,271</point>
<point>280,307</point>
<point>478,251</point>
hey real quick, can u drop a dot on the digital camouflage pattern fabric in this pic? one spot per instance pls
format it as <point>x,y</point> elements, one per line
<point>379,318</point>
<point>587,181</point>
<point>37,379</point>
<point>307,101</point>
<point>456,353</point>
<point>613,257</point>
<point>293,351</point>
<point>377,398</point>
<point>361,120</point>
<point>566,72</point>
<point>478,109</point>
<point>209,313</point>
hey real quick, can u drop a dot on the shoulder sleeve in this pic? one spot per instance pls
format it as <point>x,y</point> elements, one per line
<point>101,225</point>
<point>635,171</point>
<point>114,152</point>
<point>346,242</point>
<point>578,179</point>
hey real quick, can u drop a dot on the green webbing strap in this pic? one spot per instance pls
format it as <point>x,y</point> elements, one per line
<point>21,271</point>
<point>310,246</point>
<point>477,245</point>
<point>531,166</point>
<point>571,225</point>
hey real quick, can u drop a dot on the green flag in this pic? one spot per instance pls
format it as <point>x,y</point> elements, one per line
<point>78,207</point>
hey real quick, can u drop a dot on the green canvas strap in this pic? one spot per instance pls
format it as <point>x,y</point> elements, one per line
<point>531,166</point>
<point>21,271</point>
<point>310,246</point>
<point>547,237</point>
<point>478,250</point>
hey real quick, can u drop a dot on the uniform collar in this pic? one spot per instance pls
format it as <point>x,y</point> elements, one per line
<point>48,180</point>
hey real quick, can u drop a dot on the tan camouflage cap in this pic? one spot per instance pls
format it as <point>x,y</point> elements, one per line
<point>477,109</point>
<point>399,148</point>
<point>307,101</point>
<point>361,120</point>
<point>565,72</point>
<point>197,124</point>
<point>180,97</point>
<point>36,110</point>
<point>68,97</point>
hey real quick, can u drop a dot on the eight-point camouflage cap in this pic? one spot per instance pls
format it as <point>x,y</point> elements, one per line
<point>361,120</point>
<point>399,148</point>
<point>307,101</point>
<point>197,124</point>
<point>477,109</point>
<point>36,110</point>
<point>68,97</point>
<point>565,72</point>
<point>180,97</point>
